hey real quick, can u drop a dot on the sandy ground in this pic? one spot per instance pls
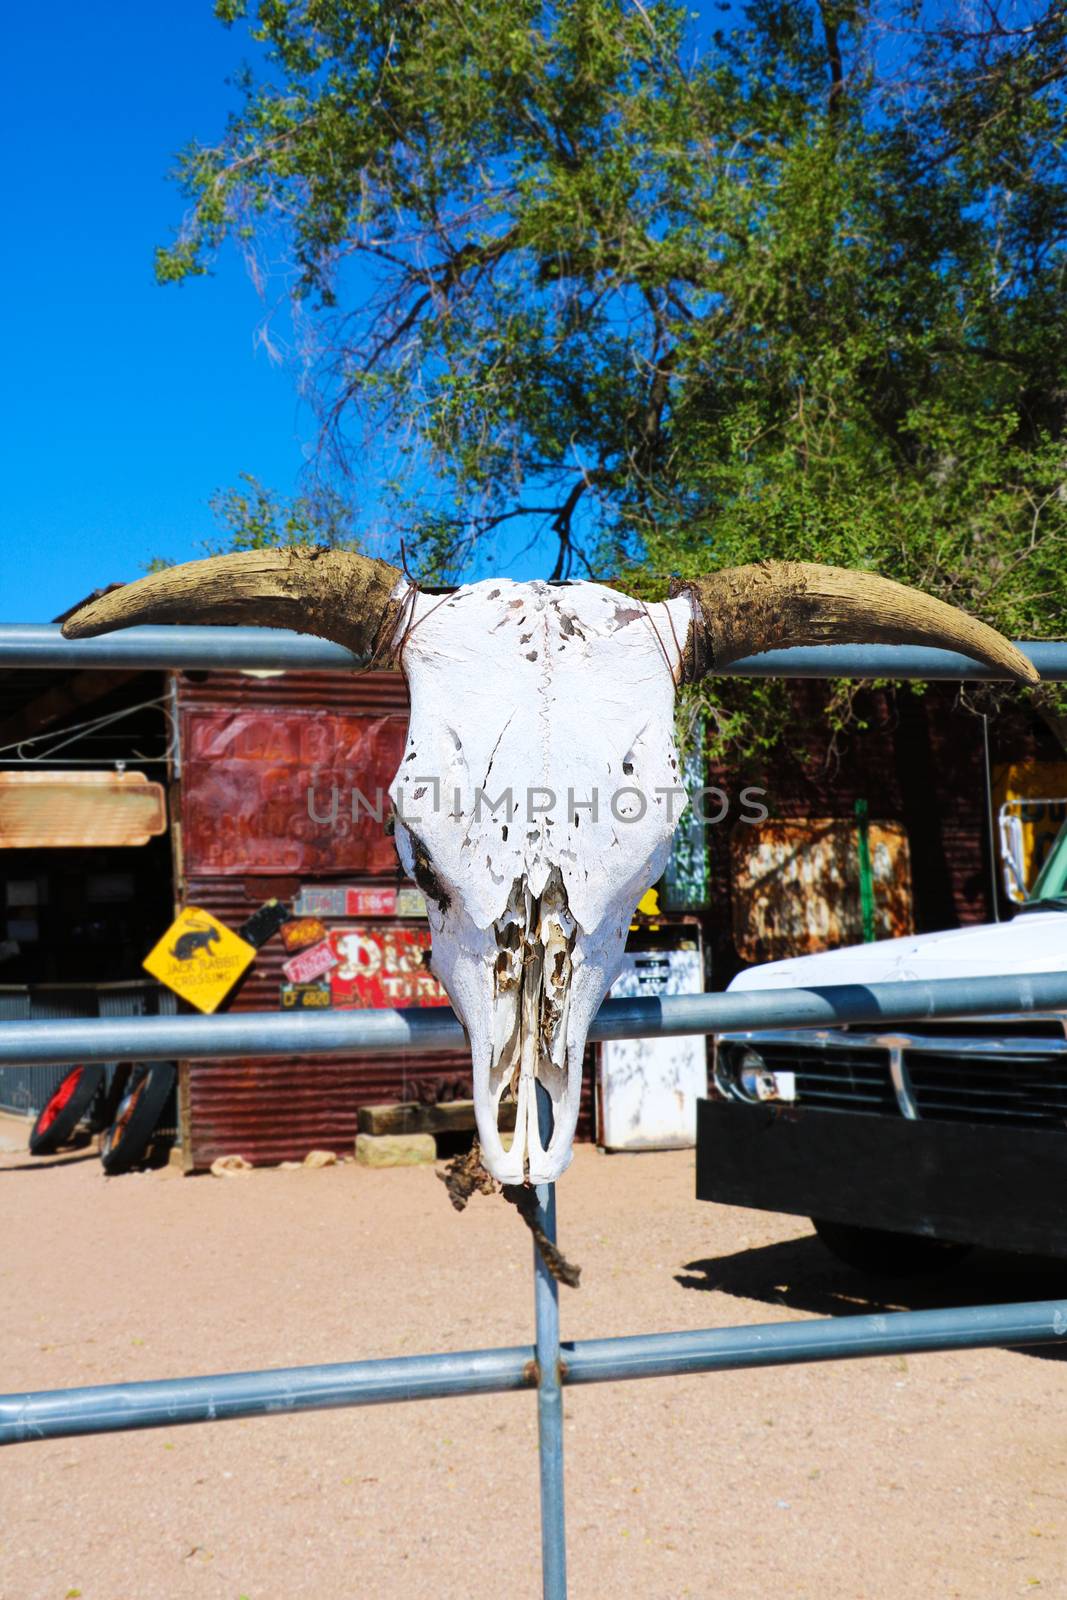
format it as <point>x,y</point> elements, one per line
<point>935,1476</point>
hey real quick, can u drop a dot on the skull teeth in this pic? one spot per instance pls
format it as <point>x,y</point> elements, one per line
<point>532,976</point>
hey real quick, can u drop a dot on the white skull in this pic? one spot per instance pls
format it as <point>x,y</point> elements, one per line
<point>559,697</point>
<point>536,801</point>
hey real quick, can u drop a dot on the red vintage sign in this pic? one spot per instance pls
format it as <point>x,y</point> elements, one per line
<point>287,791</point>
<point>370,902</point>
<point>383,966</point>
<point>310,964</point>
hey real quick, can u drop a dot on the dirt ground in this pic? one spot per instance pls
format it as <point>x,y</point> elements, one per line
<point>931,1477</point>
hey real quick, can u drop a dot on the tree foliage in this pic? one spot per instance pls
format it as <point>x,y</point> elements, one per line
<point>253,517</point>
<point>793,289</point>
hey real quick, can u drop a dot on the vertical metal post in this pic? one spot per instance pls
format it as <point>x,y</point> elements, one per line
<point>866,874</point>
<point>549,1392</point>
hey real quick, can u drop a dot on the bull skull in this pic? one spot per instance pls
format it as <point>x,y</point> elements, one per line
<point>539,789</point>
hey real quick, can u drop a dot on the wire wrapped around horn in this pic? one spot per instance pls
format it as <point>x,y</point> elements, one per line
<point>773,605</point>
<point>350,599</point>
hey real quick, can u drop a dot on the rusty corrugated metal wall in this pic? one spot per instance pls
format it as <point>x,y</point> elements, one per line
<point>917,759</point>
<point>271,1111</point>
<point>250,748</point>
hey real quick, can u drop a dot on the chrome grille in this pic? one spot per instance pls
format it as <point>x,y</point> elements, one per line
<point>1012,1072</point>
<point>1020,1090</point>
<point>845,1079</point>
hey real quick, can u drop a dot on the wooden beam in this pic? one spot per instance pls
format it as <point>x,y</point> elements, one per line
<point>451,1116</point>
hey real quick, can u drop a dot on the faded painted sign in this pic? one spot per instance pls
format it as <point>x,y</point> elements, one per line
<point>795,886</point>
<point>344,900</point>
<point>310,964</point>
<point>199,958</point>
<point>270,790</point>
<point>685,882</point>
<point>383,966</point>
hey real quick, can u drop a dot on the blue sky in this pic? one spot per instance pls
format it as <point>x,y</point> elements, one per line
<point>126,404</point>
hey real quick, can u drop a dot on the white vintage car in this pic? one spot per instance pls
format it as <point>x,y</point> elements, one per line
<point>907,1144</point>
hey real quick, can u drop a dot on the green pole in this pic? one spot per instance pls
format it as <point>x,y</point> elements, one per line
<point>866,875</point>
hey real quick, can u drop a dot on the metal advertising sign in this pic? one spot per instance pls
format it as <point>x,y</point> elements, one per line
<point>267,789</point>
<point>305,996</point>
<point>795,885</point>
<point>298,934</point>
<point>410,903</point>
<point>344,900</point>
<point>383,966</point>
<point>310,964</point>
<point>264,922</point>
<point>199,958</point>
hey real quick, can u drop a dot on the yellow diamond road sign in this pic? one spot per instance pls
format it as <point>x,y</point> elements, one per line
<point>199,958</point>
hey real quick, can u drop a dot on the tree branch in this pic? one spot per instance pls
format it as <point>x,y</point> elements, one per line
<point>830,27</point>
<point>561,527</point>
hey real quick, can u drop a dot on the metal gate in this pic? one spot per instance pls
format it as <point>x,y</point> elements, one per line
<point>546,1366</point>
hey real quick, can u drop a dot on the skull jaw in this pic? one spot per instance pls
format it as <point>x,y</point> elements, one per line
<point>527,1160</point>
<point>546,982</point>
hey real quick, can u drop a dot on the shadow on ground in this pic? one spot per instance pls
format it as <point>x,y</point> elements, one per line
<point>46,1163</point>
<point>802,1275</point>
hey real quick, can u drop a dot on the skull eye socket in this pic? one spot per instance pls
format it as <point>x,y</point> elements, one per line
<point>425,874</point>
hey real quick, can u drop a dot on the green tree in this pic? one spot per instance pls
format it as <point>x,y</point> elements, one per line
<point>249,516</point>
<point>253,517</point>
<point>799,292</point>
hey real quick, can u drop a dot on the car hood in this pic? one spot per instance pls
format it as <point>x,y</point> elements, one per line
<point>1035,941</point>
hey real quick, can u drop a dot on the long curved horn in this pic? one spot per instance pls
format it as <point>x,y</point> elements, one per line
<point>771,605</point>
<point>352,600</point>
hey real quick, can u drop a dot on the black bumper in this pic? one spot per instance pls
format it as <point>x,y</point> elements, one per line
<point>1001,1187</point>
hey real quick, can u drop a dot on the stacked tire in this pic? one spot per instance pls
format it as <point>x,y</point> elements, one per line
<point>137,1118</point>
<point>64,1109</point>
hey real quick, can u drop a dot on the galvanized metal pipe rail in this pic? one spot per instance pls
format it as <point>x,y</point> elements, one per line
<point>387,1032</point>
<point>279,649</point>
<point>172,1402</point>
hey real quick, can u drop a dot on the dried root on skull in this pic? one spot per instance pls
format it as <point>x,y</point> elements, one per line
<point>465,1176</point>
